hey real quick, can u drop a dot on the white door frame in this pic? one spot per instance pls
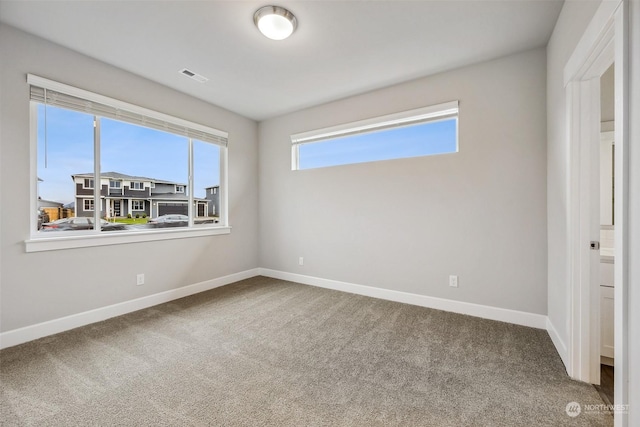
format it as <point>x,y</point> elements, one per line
<point>605,41</point>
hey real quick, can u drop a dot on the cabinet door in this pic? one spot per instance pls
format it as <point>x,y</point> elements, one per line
<point>606,321</point>
<point>606,274</point>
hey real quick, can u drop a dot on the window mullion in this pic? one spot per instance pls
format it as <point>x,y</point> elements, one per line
<point>223,196</point>
<point>97,188</point>
<point>190,184</point>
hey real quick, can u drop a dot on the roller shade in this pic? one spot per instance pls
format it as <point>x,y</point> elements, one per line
<point>406,118</point>
<point>59,95</point>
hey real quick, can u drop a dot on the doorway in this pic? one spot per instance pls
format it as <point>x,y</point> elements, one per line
<point>606,167</point>
<point>117,208</point>
<point>603,43</point>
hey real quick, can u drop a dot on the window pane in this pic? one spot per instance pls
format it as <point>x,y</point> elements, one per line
<point>149,164</point>
<point>206,180</point>
<point>64,149</point>
<point>410,141</point>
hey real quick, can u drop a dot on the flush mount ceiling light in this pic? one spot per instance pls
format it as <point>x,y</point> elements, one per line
<point>275,22</point>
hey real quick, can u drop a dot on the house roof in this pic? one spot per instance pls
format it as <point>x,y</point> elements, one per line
<point>212,186</point>
<point>118,175</point>
<point>48,204</point>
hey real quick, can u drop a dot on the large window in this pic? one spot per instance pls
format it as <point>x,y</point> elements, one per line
<point>148,171</point>
<point>422,132</point>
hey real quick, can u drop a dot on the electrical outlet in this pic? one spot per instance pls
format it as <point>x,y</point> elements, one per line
<point>453,281</point>
<point>301,261</point>
<point>140,279</point>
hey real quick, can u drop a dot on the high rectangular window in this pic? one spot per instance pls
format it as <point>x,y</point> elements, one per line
<point>96,151</point>
<point>421,132</point>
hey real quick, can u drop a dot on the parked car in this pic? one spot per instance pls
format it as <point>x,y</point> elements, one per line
<point>169,220</point>
<point>113,226</point>
<point>80,223</point>
<point>205,221</point>
<point>43,218</point>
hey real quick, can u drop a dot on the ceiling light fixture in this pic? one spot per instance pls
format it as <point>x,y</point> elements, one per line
<point>275,22</point>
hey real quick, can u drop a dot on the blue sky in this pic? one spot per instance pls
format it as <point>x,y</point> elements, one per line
<point>125,148</point>
<point>409,141</point>
<point>139,151</point>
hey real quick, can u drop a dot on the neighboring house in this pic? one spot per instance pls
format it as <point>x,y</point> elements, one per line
<point>48,204</point>
<point>122,194</point>
<point>53,210</point>
<point>212,194</point>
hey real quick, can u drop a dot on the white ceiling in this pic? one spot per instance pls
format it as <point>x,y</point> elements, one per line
<point>340,48</point>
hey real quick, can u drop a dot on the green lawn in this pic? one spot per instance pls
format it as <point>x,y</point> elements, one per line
<point>130,220</point>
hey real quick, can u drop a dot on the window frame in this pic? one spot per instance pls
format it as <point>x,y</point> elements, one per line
<point>91,207</point>
<point>89,238</point>
<point>117,187</point>
<point>137,201</point>
<point>132,185</point>
<point>91,186</point>
<point>423,115</point>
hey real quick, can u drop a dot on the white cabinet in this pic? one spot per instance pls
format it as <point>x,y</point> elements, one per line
<point>606,309</point>
<point>606,274</point>
<point>606,321</point>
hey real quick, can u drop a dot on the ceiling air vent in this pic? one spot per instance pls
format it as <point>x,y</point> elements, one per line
<point>194,76</point>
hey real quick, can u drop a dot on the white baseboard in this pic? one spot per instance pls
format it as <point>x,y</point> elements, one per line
<point>30,333</point>
<point>561,347</point>
<point>484,311</point>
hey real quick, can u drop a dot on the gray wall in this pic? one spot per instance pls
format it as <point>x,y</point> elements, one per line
<point>36,287</point>
<point>408,224</point>
<point>573,19</point>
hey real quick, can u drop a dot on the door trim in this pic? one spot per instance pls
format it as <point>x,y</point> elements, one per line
<point>605,41</point>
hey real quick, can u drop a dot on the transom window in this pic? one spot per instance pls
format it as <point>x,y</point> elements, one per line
<point>421,132</point>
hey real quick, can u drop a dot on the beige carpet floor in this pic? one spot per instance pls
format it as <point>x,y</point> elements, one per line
<point>265,352</point>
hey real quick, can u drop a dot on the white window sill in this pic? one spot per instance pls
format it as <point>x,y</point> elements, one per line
<point>39,244</point>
